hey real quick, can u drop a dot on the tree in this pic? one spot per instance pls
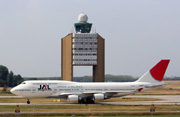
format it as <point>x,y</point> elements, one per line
<point>10,79</point>
<point>17,79</point>
<point>3,75</point>
<point>2,83</point>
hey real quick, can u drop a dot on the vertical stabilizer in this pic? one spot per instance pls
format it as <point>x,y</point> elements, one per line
<point>156,73</point>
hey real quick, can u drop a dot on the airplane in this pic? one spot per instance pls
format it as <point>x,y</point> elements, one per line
<point>88,92</point>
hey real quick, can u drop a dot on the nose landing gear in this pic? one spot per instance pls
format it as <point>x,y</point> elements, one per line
<point>28,102</point>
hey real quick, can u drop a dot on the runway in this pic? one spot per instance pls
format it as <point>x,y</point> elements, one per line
<point>94,112</point>
<point>164,100</point>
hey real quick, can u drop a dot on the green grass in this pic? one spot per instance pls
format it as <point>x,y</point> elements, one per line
<point>92,115</point>
<point>90,108</point>
<point>50,100</point>
<point>94,107</point>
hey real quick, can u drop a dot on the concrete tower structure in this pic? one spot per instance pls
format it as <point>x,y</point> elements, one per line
<point>82,48</point>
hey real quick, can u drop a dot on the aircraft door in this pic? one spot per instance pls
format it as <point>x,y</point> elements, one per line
<point>33,90</point>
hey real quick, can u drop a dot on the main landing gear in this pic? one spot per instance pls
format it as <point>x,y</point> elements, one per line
<point>28,102</point>
<point>86,101</point>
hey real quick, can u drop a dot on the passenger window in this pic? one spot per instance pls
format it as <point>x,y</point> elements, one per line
<point>23,83</point>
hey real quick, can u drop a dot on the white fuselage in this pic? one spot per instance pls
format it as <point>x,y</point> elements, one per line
<point>43,89</point>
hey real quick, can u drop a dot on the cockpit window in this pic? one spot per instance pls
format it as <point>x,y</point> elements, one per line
<point>23,83</point>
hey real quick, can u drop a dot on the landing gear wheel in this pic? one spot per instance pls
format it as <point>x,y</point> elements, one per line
<point>92,102</point>
<point>88,101</point>
<point>79,101</point>
<point>28,102</point>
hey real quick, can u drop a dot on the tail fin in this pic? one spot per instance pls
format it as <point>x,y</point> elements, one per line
<point>156,73</point>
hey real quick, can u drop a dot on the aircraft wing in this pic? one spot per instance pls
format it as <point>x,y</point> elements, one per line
<point>91,93</point>
<point>66,94</point>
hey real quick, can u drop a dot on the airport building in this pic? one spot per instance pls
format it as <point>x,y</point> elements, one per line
<point>83,48</point>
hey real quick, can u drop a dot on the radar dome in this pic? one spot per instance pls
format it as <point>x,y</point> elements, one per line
<point>82,18</point>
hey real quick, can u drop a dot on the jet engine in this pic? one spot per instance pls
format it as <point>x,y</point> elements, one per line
<point>74,98</point>
<point>100,96</point>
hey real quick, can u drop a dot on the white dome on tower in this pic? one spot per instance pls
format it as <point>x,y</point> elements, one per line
<point>82,18</point>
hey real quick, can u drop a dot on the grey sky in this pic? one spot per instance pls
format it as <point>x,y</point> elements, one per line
<point>138,33</point>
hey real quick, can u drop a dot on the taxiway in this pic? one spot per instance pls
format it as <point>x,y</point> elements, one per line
<point>164,100</point>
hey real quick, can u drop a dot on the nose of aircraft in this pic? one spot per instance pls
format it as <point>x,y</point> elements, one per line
<point>12,90</point>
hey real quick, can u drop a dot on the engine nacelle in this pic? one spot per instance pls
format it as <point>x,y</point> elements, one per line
<point>73,98</point>
<point>99,96</point>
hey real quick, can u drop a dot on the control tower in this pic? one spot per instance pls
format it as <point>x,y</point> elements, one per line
<point>82,48</point>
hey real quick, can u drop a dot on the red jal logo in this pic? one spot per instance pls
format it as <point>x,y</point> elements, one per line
<point>44,87</point>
